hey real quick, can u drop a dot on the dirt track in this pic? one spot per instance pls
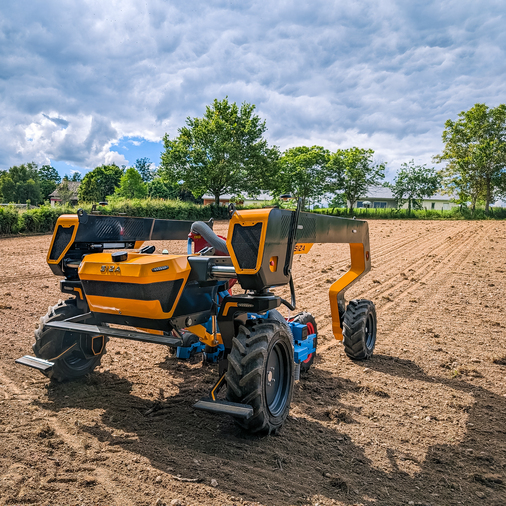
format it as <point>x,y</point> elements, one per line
<point>423,422</point>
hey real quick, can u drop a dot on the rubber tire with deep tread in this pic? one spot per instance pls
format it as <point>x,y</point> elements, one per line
<point>50,343</point>
<point>359,329</point>
<point>304,318</point>
<point>247,375</point>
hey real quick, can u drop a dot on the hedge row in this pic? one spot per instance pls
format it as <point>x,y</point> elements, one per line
<point>43,219</point>
<point>457,213</point>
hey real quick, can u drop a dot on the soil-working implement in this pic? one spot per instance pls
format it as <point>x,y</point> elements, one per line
<point>185,302</point>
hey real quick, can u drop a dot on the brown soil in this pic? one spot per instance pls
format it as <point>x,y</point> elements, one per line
<point>422,422</point>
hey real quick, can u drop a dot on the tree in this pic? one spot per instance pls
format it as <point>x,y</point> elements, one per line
<point>143,166</point>
<point>413,183</point>
<point>21,183</point>
<point>339,200</point>
<point>99,183</point>
<point>475,149</point>
<point>223,152</point>
<point>76,176</point>
<point>64,191</point>
<point>7,188</point>
<point>157,189</point>
<point>302,171</point>
<point>353,171</point>
<point>49,180</point>
<point>131,185</point>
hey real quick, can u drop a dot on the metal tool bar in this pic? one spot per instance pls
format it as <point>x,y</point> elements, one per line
<point>35,363</point>
<point>223,271</point>
<point>225,408</point>
<point>119,333</point>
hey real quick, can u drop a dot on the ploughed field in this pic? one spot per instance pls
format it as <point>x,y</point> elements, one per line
<point>422,422</point>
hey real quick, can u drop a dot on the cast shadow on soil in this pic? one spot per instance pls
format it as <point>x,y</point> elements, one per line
<point>307,458</point>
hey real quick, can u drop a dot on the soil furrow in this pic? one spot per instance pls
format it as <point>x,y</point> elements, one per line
<point>431,401</point>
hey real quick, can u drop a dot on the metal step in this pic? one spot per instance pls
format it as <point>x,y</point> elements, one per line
<point>225,408</point>
<point>112,332</point>
<point>35,363</point>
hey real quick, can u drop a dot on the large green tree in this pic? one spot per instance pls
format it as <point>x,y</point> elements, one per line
<point>157,189</point>
<point>475,152</point>
<point>64,191</point>
<point>222,152</point>
<point>143,166</point>
<point>21,183</point>
<point>49,180</point>
<point>413,183</point>
<point>131,185</point>
<point>303,172</point>
<point>353,171</point>
<point>99,183</point>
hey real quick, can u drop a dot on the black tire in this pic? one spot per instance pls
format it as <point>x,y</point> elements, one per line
<point>190,338</point>
<point>359,329</point>
<point>274,314</point>
<point>51,343</point>
<point>260,373</point>
<point>307,319</point>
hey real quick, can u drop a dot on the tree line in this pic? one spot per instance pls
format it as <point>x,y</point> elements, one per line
<point>29,183</point>
<point>225,152</point>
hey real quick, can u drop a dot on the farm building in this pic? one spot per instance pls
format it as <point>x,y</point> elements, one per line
<point>379,197</point>
<point>73,187</point>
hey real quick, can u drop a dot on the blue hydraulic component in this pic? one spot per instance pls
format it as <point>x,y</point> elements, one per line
<point>303,344</point>
<point>214,357</point>
<point>223,294</point>
<point>303,349</point>
<point>185,352</point>
<point>189,248</point>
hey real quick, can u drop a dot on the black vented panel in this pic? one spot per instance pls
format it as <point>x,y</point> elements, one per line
<point>286,219</point>
<point>119,229</point>
<point>61,240</point>
<point>308,231</point>
<point>164,291</point>
<point>107,229</point>
<point>245,243</point>
<point>132,229</point>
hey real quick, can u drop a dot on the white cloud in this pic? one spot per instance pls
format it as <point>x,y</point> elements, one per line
<point>77,78</point>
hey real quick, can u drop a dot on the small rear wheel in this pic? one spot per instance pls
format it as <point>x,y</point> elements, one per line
<point>261,373</point>
<point>359,329</point>
<point>74,354</point>
<point>308,320</point>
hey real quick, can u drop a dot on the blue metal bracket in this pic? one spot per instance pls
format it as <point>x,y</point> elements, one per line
<point>303,349</point>
<point>215,357</point>
<point>303,344</point>
<point>185,352</point>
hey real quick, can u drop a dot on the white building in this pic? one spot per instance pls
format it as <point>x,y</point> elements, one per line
<point>380,197</point>
<point>73,187</point>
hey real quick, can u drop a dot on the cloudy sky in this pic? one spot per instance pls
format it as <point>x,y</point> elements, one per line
<point>92,82</point>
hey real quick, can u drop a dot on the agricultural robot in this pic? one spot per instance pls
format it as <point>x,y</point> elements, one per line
<point>185,302</point>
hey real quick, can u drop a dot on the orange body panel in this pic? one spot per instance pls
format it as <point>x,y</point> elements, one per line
<point>248,218</point>
<point>137,270</point>
<point>302,248</point>
<point>356,269</point>
<point>204,336</point>
<point>65,221</point>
